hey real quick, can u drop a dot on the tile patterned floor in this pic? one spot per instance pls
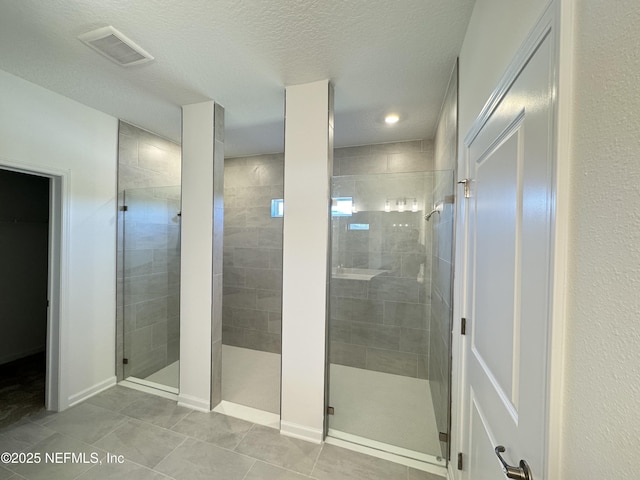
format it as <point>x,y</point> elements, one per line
<point>161,441</point>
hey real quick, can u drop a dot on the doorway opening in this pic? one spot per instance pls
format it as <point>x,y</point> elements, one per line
<point>30,285</point>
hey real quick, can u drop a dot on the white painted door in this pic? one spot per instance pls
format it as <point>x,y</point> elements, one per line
<point>509,240</point>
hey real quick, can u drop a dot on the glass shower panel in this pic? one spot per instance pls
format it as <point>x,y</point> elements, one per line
<point>442,300</point>
<point>151,274</point>
<point>380,308</point>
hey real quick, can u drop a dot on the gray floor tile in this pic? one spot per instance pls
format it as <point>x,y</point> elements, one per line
<point>42,417</point>
<point>141,442</point>
<point>11,445</point>
<point>21,435</point>
<point>159,411</point>
<point>117,398</point>
<point>420,475</point>
<point>291,453</point>
<point>195,460</point>
<point>86,422</point>
<point>4,473</point>
<point>264,471</point>
<point>124,471</point>
<point>214,428</point>
<point>56,444</point>
<point>336,463</point>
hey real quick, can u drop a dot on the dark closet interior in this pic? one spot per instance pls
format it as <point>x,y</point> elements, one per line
<point>24,241</point>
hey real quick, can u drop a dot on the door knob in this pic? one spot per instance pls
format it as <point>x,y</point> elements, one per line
<point>518,473</point>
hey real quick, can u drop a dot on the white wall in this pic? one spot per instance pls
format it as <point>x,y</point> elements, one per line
<point>601,357</point>
<point>41,129</point>
<point>495,32</point>
<point>198,258</point>
<point>307,169</point>
<point>602,379</point>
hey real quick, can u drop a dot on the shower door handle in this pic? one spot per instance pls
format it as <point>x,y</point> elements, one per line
<point>518,473</point>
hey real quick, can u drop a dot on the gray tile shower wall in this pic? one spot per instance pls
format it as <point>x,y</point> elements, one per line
<point>252,277</point>
<point>148,256</point>
<point>400,157</point>
<point>382,324</point>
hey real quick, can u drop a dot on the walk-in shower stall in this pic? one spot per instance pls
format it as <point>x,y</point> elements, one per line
<point>252,279</point>
<point>388,353</point>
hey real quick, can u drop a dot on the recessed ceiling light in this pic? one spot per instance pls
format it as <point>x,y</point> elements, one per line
<point>391,119</point>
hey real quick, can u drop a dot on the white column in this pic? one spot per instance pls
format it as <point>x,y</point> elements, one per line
<point>307,170</point>
<point>201,255</point>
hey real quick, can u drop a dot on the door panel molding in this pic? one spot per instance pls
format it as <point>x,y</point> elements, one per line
<point>547,28</point>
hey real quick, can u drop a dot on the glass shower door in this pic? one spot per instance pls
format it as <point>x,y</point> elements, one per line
<point>380,311</point>
<point>151,273</point>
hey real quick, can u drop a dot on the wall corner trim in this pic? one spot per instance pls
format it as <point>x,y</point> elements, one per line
<point>194,403</point>
<point>301,432</point>
<point>91,391</point>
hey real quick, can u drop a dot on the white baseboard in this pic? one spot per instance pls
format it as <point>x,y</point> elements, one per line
<point>91,391</point>
<point>154,386</point>
<point>386,447</point>
<point>302,432</point>
<point>194,403</point>
<point>392,457</point>
<point>451,472</point>
<point>248,414</point>
<point>146,389</point>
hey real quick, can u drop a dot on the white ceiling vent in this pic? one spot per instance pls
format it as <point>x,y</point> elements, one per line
<point>115,46</point>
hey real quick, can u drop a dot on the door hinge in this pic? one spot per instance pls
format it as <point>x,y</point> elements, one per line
<point>459,461</point>
<point>125,361</point>
<point>443,437</point>
<point>467,187</point>
<point>330,410</point>
<point>124,208</point>
<point>463,326</point>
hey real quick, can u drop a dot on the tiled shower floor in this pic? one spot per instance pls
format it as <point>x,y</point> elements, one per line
<point>168,375</point>
<point>249,377</point>
<point>391,409</point>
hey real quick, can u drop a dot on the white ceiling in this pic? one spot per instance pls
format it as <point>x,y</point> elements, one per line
<point>381,56</point>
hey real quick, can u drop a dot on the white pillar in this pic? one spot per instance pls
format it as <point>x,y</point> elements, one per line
<point>307,171</point>
<point>201,255</point>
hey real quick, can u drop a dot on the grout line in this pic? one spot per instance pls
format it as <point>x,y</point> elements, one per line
<point>119,423</point>
<point>283,468</point>
<point>178,421</point>
<point>164,475</point>
<point>246,455</point>
<point>167,455</point>
<point>243,437</point>
<point>315,463</point>
<point>250,468</point>
<point>149,468</point>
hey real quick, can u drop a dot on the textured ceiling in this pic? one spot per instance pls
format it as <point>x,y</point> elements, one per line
<point>381,56</point>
